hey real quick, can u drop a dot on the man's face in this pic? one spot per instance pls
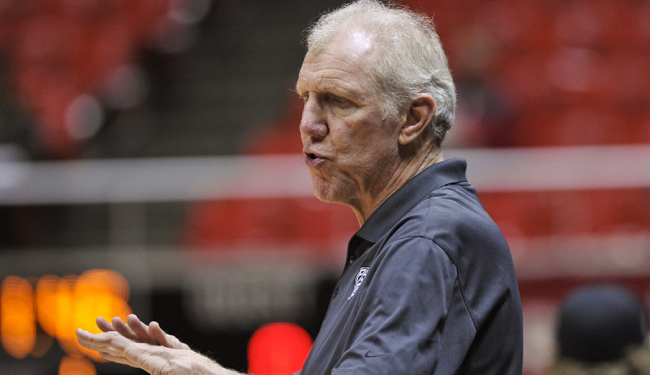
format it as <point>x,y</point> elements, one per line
<point>350,149</point>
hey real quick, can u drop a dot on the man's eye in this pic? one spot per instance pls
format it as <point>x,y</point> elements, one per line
<point>305,97</point>
<point>337,99</point>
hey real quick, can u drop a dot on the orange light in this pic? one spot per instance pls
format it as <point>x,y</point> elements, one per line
<point>76,366</point>
<point>65,328</point>
<point>46,303</point>
<point>278,349</point>
<point>17,317</point>
<point>99,293</point>
<point>60,305</point>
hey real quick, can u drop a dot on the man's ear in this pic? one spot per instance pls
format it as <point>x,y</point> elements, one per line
<point>418,118</point>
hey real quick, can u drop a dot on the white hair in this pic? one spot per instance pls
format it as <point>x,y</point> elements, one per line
<point>409,59</point>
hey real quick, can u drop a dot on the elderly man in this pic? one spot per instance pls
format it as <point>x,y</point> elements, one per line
<point>429,285</point>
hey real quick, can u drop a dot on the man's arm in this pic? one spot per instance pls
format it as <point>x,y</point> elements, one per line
<point>149,348</point>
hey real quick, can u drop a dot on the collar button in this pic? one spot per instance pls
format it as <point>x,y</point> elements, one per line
<point>352,258</point>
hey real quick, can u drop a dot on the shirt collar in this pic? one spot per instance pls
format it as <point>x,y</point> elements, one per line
<point>408,195</point>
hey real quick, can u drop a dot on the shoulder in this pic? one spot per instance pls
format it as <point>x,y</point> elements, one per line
<point>451,220</point>
<point>447,215</point>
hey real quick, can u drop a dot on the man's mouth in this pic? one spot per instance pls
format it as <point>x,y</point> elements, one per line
<point>312,160</point>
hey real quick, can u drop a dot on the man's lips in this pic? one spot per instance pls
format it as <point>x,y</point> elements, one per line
<point>313,159</point>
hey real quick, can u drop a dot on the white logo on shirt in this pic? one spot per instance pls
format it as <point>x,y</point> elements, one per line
<point>363,271</point>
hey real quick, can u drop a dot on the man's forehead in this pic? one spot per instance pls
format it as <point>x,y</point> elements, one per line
<point>329,83</point>
<point>332,75</point>
<point>348,54</point>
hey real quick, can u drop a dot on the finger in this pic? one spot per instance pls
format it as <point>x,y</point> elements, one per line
<point>140,329</point>
<point>165,339</point>
<point>157,333</point>
<point>111,341</point>
<point>91,341</point>
<point>114,347</point>
<point>124,329</point>
<point>176,343</point>
<point>104,325</point>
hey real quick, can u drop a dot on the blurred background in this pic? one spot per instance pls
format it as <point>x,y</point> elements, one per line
<point>150,163</point>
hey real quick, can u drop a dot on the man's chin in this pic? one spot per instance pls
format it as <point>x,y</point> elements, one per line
<point>322,195</point>
<point>324,190</point>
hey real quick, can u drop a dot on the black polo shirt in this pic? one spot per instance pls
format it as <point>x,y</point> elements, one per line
<point>429,288</point>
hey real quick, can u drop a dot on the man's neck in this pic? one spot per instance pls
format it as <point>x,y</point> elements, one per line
<point>403,172</point>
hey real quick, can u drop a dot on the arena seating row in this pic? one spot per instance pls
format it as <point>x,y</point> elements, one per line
<point>289,222</point>
<point>550,61</point>
<point>60,49</point>
<point>307,222</point>
<point>534,24</point>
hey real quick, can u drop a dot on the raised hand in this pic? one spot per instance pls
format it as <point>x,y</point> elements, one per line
<point>137,331</point>
<point>147,347</point>
<point>154,359</point>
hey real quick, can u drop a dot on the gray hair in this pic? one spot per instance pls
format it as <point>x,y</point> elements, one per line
<point>410,58</point>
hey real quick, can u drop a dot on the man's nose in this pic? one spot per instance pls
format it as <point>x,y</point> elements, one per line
<point>313,123</point>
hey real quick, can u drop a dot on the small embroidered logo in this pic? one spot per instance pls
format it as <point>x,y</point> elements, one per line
<point>363,271</point>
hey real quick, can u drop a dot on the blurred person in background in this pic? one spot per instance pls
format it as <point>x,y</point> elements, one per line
<point>601,331</point>
<point>429,285</point>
